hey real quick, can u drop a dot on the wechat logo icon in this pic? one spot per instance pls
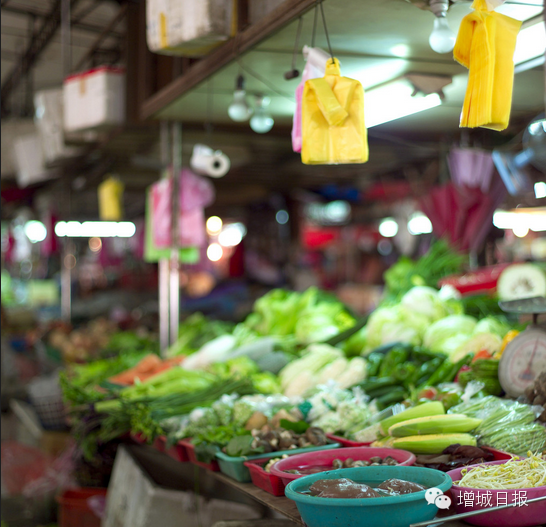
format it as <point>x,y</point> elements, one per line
<point>436,497</point>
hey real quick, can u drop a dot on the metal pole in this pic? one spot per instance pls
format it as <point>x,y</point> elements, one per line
<point>66,45</point>
<point>66,281</point>
<point>174,289</point>
<point>163,264</point>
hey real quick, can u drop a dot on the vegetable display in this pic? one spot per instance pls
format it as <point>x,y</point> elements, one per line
<point>514,474</point>
<point>506,425</point>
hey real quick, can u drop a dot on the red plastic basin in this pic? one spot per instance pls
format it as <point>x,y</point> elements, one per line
<point>265,480</point>
<point>192,457</point>
<point>178,452</point>
<point>465,500</point>
<point>74,510</point>
<point>326,457</point>
<point>347,442</point>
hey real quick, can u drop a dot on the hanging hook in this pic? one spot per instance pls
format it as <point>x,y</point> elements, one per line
<point>293,73</point>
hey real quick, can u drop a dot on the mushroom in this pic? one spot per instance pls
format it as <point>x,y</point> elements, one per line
<point>358,463</point>
<point>337,463</point>
<point>348,462</point>
<point>316,436</point>
<point>272,438</point>
<point>376,459</point>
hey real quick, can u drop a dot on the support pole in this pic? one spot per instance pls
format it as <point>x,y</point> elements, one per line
<point>66,281</point>
<point>163,264</point>
<point>174,289</point>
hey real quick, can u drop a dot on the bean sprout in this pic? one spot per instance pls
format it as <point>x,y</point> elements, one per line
<point>514,474</point>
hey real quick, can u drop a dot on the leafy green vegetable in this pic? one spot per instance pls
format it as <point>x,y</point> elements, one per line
<point>242,446</point>
<point>447,328</point>
<point>266,383</point>
<point>299,426</point>
<point>311,316</point>
<point>195,332</point>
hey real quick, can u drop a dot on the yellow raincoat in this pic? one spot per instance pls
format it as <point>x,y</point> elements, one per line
<point>332,110</point>
<point>485,45</point>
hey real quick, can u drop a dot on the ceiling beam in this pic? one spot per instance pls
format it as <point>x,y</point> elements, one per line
<point>120,15</point>
<point>226,53</point>
<point>38,42</point>
<point>76,22</point>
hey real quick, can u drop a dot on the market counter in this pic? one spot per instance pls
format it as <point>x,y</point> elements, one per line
<point>185,476</point>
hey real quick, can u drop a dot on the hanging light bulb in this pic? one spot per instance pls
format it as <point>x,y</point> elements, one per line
<point>239,110</point>
<point>442,39</point>
<point>261,121</point>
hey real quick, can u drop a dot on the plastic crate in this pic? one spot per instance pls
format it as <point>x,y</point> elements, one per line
<point>46,397</point>
<point>160,443</point>
<point>264,480</point>
<point>138,438</point>
<point>192,457</point>
<point>74,510</point>
<point>178,452</point>
<point>347,442</point>
<point>234,466</point>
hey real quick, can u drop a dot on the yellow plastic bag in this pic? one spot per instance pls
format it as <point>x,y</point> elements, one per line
<point>111,199</point>
<point>485,45</point>
<point>333,129</point>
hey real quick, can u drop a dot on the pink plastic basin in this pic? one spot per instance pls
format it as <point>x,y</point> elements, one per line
<point>465,500</point>
<point>326,457</point>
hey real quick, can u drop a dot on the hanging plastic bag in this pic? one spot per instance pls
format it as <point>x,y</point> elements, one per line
<point>111,199</point>
<point>333,129</point>
<point>315,66</point>
<point>195,194</point>
<point>485,45</point>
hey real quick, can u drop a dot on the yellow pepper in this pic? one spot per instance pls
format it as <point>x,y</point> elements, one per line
<point>507,338</point>
<point>485,45</point>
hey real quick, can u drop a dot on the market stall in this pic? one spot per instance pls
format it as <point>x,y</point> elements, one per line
<point>240,295</point>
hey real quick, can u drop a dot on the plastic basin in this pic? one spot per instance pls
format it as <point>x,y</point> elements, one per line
<point>74,509</point>
<point>234,466</point>
<point>518,516</point>
<point>264,480</point>
<point>178,452</point>
<point>192,457</point>
<point>388,511</point>
<point>347,442</point>
<point>362,453</point>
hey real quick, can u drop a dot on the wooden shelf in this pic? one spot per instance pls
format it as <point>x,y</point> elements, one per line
<point>282,505</point>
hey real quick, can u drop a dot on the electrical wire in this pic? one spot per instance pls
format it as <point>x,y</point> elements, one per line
<point>257,76</point>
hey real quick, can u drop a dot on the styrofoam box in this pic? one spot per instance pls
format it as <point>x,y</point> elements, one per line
<point>186,27</point>
<point>29,160</point>
<point>135,500</point>
<point>49,123</point>
<point>11,130</point>
<point>94,99</point>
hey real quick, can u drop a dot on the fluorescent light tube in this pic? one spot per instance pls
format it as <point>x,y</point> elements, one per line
<point>531,43</point>
<point>95,229</point>
<point>394,100</point>
<point>519,221</point>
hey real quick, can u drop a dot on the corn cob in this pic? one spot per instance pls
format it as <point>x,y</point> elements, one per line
<point>432,443</point>
<point>434,424</point>
<point>422,410</point>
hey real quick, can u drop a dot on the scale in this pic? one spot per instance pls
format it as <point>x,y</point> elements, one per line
<point>525,356</point>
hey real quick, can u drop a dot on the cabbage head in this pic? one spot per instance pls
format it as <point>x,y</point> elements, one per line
<point>451,327</point>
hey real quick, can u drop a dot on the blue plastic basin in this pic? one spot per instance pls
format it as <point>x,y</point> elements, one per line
<point>389,511</point>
